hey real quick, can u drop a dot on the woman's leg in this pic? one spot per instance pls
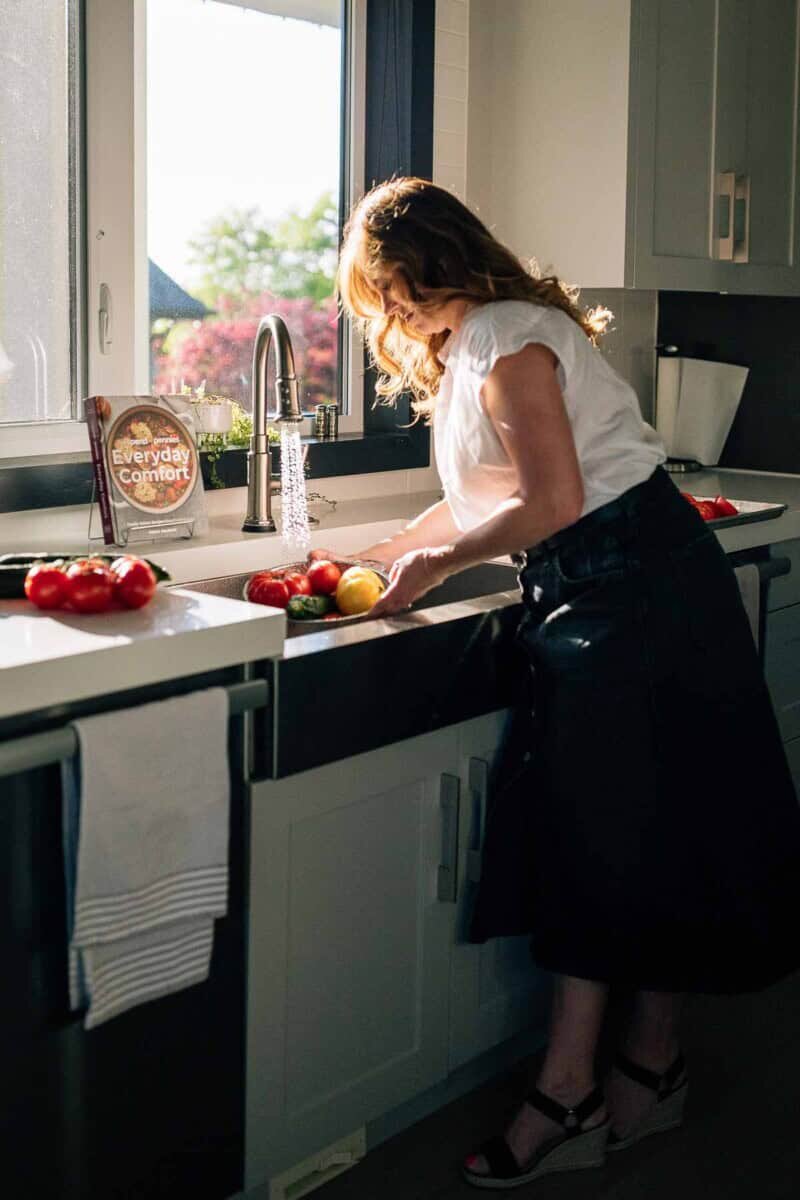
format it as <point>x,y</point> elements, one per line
<point>652,1041</point>
<point>567,1073</point>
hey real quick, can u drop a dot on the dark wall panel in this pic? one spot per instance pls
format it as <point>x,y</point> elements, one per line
<point>759,332</point>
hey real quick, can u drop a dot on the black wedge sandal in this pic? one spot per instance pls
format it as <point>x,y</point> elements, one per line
<point>572,1150</point>
<point>668,1111</point>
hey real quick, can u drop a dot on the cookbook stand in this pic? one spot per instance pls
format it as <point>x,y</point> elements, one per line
<point>134,532</point>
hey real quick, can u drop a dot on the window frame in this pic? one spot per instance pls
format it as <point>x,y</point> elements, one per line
<point>26,439</point>
<point>109,188</point>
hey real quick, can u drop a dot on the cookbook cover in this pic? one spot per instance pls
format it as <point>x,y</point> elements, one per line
<point>146,467</point>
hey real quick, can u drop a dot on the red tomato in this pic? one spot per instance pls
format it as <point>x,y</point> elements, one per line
<point>324,577</point>
<point>46,586</point>
<point>99,563</point>
<point>706,509</point>
<point>297,583</point>
<point>692,499</point>
<point>724,507</point>
<point>263,589</point>
<point>258,578</point>
<point>90,588</point>
<point>121,559</point>
<point>135,582</point>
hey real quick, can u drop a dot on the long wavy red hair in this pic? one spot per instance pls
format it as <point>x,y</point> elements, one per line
<point>432,243</point>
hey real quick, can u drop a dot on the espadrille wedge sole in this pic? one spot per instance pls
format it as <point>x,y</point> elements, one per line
<point>668,1111</point>
<point>576,1150</point>
<point>575,1154</point>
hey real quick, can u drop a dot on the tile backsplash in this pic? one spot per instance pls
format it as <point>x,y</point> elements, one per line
<point>759,332</point>
<point>450,95</point>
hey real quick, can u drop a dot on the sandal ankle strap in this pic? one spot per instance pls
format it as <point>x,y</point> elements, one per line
<point>570,1118</point>
<point>651,1079</point>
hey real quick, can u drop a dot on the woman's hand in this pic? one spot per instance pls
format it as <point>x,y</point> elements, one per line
<point>368,558</point>
<point>326,555</point>
<point>411,576</point>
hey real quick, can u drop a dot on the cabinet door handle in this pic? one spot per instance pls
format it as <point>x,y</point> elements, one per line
<point>733,217</point>
<point>741,219</point>
<point>479,787</point>
<point>447,874</point>
<point>726,196</point>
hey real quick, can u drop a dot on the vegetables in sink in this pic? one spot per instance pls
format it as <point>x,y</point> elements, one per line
<point>324,591</point>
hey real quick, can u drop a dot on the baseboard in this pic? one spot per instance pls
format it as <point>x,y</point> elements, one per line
<point>464,1079</point>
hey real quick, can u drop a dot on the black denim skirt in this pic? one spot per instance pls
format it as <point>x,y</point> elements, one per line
<point>644,827</point>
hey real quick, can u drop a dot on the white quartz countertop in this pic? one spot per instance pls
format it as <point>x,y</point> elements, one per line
<point>49,658</point>
<point>750,485</point>
<point>57,658</point>
<point>226,550</point>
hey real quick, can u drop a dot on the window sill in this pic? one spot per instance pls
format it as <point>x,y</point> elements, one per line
<point>52,481</point>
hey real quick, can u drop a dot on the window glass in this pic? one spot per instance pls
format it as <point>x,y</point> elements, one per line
<point>37,317</point>
<point>243,172</point>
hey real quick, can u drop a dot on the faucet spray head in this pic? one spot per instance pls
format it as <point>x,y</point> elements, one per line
<point>288,410</point>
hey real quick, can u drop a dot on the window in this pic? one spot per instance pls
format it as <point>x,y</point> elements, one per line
<point>243,188</point>
<point>39,293</point>
<point>221,149</point>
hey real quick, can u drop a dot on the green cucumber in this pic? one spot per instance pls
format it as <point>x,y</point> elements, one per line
<point>309,608</point>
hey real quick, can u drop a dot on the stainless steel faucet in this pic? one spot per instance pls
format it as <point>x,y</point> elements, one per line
<point>271,331</point>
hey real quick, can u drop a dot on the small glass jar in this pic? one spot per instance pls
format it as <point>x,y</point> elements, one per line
<point>331,420</point>
<point>319,421</point>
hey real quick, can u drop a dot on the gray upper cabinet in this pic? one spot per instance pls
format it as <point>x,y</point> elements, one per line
<point>712,165</point>
<point>764,68</point>
<point>670,160</point>
<point>672,111</point>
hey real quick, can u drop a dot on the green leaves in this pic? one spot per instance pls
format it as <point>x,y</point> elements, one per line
<point>243,254</point>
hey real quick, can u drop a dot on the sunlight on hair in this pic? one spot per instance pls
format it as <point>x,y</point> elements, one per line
<point>428,240</point>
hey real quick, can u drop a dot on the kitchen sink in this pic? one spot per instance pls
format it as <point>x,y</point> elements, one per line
<point>485,579</point>
<point>342,691</point>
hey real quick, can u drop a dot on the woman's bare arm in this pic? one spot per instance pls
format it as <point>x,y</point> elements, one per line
<point>524,403</point>
<point>433,527</point>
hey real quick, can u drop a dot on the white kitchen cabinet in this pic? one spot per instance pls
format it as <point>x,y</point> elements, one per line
<point>495,989</point>
<point>792,749</point>
<point>670,157</point>
<point>785,589</point>
<point>362,989</point>
<point>782,667</point>
<point>349,947</point>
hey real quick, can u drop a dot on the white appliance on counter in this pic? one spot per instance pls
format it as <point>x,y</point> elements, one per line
<point>696,402</point>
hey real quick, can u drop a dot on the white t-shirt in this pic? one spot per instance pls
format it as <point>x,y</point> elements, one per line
<point>616,448</point>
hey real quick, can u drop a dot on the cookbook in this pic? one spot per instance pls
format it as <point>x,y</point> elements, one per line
<point>146,467</point>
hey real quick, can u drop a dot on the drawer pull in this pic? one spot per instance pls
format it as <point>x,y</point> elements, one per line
<point>447,874</point>
<point>479,787</point>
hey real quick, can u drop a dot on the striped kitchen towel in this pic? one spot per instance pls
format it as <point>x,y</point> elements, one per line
<point>145,821</point>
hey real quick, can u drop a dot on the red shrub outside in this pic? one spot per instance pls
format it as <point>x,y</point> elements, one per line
<point>219,349</point>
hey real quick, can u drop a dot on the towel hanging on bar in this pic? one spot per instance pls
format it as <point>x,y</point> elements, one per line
<point>42,749</point>
<point>146,816</point>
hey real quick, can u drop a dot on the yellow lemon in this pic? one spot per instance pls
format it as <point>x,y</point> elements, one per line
<point>357,590</point>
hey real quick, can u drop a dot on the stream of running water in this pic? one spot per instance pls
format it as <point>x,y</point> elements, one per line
<point>294,509</point>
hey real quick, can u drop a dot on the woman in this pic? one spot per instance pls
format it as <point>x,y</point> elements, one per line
<point>664,830</point>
